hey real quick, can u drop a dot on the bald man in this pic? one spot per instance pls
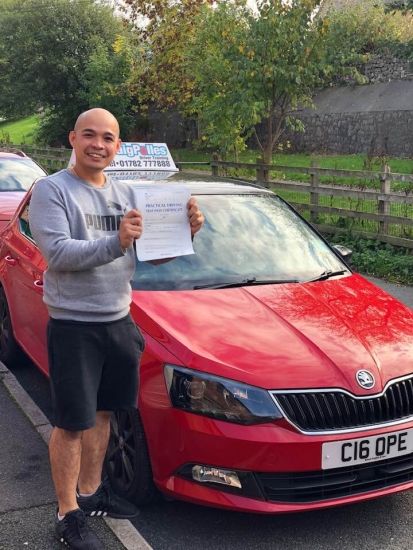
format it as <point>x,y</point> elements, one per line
<point>94,346</point>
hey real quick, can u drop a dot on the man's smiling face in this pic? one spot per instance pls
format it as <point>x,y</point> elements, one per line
<point>95,140</point>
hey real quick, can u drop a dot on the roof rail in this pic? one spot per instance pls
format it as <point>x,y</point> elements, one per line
<point>5,149</point>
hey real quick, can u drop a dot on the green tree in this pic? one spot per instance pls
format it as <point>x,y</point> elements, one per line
<point>107,80</point>
<point>46,48</point>
<point>163,27</point>
<point>255,67</point>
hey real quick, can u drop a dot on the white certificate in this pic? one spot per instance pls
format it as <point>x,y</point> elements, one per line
<point>166,230</point>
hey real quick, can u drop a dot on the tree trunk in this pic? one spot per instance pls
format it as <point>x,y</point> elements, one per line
<point>267,151</point>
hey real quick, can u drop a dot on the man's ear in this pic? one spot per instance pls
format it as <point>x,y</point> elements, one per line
<point>119,144</point>
<point>72,137</point>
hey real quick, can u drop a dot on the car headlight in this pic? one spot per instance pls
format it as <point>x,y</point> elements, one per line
<point>219,398</point>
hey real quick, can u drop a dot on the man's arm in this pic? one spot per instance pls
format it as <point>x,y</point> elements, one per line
<point>50,228</point>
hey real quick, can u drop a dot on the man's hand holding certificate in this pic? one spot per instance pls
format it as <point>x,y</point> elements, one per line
<point>166,228</point>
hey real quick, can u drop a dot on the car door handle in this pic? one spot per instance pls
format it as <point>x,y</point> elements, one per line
<point>38,283</point>
<point>10,261</point>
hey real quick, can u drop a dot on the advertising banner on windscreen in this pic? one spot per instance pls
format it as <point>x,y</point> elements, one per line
<point>139,161</point>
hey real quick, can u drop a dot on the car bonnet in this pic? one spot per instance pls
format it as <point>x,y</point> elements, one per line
<point>289,336</point>
<point>9,201</point>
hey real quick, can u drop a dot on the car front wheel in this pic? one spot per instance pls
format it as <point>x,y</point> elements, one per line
<point>127,461</point>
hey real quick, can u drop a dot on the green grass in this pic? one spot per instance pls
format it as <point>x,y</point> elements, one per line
<point>339,162</point>
<point>19,131</point>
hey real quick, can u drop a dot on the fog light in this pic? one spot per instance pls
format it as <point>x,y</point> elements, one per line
<point>216,475</point>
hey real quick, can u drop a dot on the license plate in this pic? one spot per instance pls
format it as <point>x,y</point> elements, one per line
<point>339,454</point>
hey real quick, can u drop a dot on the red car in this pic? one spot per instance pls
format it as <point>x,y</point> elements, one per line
<point>274,378</point>
<point>17,173</point>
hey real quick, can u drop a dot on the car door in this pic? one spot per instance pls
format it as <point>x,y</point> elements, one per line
<point>23,267</point>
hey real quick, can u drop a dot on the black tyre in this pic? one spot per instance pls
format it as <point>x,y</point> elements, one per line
<point>127,460</point>
<point>10,351</point>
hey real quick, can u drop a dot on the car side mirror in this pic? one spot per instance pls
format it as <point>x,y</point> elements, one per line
<point>344,252</point>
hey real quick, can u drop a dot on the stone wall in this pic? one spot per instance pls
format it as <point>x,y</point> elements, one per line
<point>379,133</point>
<point>376,119</point>
<point>381,68</point>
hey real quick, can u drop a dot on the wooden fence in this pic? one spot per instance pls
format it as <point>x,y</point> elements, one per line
<point>51,158</point>
<point>374,208</point>
<point>380,213</point>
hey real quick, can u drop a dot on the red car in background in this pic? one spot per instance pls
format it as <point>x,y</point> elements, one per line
<point>274,378</point>
<point>17,173</point>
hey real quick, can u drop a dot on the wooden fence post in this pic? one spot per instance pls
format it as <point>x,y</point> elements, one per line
<point>384,206</point>
<point>214,167</point>
<point>314,196</point>
<point>260,177</point>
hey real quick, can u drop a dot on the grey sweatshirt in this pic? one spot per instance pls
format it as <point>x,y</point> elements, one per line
<point>75,226</point>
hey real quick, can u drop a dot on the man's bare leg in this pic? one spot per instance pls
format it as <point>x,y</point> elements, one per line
<point>94,445</point>
<point>104,501</point>
<point>65,459</point>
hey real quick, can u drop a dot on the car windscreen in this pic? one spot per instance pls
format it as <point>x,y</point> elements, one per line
<point>18,174</point>
<point>243,237</point>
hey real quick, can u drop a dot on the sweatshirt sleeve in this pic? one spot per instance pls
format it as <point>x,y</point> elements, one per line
<point>50,228</point>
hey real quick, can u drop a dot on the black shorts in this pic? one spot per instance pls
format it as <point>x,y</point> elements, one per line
<point>93,367</point>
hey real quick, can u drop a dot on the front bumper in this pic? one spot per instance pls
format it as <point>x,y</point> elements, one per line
<point>282,465</point>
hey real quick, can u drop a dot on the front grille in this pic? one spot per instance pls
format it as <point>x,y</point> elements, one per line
<point>336,410</point>
<point>306,487</point>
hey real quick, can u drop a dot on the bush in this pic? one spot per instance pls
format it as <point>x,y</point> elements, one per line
<point>392,263</point>
<point>358,29</point>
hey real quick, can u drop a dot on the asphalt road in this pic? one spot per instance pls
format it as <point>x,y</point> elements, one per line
<point>401,292</point>
<point>382,524</point>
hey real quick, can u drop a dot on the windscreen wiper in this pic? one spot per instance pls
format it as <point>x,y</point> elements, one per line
<point>248,282</point>
<point>327,274</point>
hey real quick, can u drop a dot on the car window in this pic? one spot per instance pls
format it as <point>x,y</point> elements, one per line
<point>24,222</point>
<point>244,236</point>
<point>18,174</point>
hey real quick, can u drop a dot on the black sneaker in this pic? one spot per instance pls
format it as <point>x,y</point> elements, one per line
<point>73,531</point>
<point>106,503</point>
